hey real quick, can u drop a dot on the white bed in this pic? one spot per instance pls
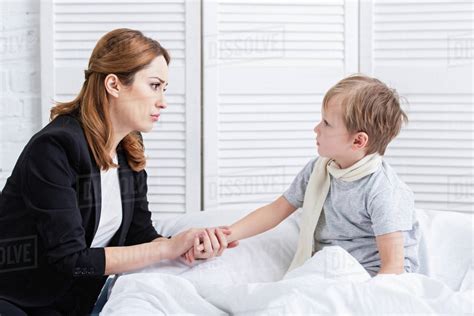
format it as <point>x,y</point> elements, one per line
<point>248,279</point>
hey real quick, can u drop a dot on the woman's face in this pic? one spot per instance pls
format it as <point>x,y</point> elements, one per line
<point>138,106</point>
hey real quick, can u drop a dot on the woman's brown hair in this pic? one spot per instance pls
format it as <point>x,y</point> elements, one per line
<point>122,52</point>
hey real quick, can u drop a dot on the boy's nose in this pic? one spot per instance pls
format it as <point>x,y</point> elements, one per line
<point>316,129</point>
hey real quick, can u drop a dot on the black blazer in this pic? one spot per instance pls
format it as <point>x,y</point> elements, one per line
<point>49,213</point>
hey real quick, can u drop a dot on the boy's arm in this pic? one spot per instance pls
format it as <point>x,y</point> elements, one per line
<point>391,251</point>
<point>261,220</point>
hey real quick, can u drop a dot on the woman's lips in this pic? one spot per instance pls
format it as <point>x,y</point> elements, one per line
<point>155,117</point>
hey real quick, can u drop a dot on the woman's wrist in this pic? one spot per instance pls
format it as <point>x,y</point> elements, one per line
<point>162,248</point>
<point>161,238</point>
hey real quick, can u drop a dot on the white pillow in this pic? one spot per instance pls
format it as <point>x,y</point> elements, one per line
<point>446,250</point>
<point>262,258</point>
<point>446,246</point>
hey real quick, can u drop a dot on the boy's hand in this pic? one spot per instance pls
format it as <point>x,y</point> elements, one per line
<point>210,245</point>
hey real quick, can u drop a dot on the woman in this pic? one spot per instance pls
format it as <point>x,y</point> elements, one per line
<point>75,208</point>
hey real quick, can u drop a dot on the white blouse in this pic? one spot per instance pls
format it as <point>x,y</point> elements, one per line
<point>111,210</point>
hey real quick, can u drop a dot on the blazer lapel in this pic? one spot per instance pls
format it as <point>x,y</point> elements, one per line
<point>96,205</point>
<point>127,192</point>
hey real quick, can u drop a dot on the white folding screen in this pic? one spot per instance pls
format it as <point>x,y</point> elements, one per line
<point>424,49</point>
<point>265,68</point>
<point>267,65</point>
<point>69,31</point>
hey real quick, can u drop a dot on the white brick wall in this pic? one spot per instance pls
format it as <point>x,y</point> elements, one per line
<point>20,106</point>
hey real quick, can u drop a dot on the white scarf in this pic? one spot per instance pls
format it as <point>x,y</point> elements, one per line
<point>315,195</point>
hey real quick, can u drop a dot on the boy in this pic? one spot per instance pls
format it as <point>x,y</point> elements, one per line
<point>350,196</point>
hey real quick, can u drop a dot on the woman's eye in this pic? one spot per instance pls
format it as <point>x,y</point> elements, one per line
<point>155,86</point>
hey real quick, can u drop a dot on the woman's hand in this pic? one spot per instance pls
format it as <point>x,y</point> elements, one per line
<point>180,243</point>
<point>210,245</point>
<point>129,258</point>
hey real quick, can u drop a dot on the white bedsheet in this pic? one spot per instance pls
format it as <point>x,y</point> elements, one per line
<point>333,282</point>
<point>248,280</point>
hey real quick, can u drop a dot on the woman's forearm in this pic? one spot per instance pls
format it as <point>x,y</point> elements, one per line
<point>124,259</point>
<point>261,220</point>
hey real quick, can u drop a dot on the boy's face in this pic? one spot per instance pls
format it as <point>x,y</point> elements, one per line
<point>333,139</point>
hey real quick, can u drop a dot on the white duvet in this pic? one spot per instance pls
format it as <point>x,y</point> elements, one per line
<point>250,280</point>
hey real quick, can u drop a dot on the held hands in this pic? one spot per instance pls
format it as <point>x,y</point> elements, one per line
<point>210,243</point>
<point>196,243</point>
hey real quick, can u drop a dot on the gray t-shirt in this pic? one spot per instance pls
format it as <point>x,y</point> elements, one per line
<point>355,212</point>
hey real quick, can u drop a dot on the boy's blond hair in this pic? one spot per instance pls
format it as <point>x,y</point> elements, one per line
<point>369,106</point>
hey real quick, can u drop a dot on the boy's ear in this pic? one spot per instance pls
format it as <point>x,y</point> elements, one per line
<point>112,85</point>
<point>361,140</point>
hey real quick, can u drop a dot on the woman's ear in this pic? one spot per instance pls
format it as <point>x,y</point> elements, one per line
<point>361,140</point>
<point>112,85</point>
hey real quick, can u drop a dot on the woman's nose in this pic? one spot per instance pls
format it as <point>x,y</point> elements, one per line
<point>161,104</point>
